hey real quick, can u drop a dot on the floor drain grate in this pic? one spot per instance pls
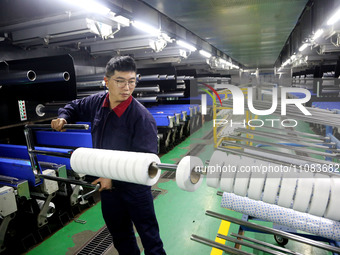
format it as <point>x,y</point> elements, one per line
<point>155,193</point>
<point>100,243</point>
<point>169,175</point>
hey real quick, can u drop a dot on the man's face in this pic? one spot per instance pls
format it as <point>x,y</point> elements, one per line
<point>120,85</point>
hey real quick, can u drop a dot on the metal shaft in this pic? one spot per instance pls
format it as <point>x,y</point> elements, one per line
<point>289,147</point>
<point>222,247</point>
<point>274,231</point>
<point>275,136</point>
<point>279,248</point>
<point>295,132</point>
<point>67,126</point>
<point>298,157</point>
<point>265,134</point>
<point>51,153</point>
<point>254,246</point>
<point>59,179</point>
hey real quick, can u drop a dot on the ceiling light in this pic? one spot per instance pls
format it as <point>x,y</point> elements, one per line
<point>91,6</point>
<point>122,20</point>
<point>332,20</point>
<point>146,28</point>
<point>303,47</point>
<point>205,54</point>
<point>186,45</point>
<point>317,34</point>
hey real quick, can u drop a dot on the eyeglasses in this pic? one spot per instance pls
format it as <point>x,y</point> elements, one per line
<point>122,83</point>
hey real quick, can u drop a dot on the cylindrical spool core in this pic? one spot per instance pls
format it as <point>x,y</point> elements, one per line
<point>66,76</point>
<point>31,75</point>
<point>194,176</point>
<point>153,170</point>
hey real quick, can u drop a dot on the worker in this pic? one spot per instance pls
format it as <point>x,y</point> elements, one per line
<point>120,122</point>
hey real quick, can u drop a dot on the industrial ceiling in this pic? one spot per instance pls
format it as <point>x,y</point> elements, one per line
<point>252,32</point>
<point>239,34</point>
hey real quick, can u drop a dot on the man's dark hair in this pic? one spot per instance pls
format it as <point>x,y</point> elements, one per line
<point>121,64</point>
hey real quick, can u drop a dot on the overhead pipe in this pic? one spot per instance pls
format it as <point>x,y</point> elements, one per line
<point>11,78</point>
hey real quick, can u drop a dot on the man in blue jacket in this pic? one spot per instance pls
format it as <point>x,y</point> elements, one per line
<point>120,122</point>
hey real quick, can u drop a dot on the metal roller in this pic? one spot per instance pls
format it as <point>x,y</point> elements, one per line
<point>11,78</point>
<point>154,77</point>
<point>163,77</point>
<point>229,250</point>
<point>53,77</point>
<point>174,94</point>
<point>147,99</point>
<point>148,89</point>
<point>274,231</point>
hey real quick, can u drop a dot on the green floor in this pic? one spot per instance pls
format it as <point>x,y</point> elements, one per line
<point>180,214</point>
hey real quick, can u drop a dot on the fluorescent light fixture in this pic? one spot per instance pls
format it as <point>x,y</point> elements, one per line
<point>122,20</point>
<point>223,61</point>
<point>303,47</point>
<point>317,34</point>
<point>91,6</point>
<point>205,54</point>
<point>335,17</point>
<point>146,28</point>
<point>186,45</point>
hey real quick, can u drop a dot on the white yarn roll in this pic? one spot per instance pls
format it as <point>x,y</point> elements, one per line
<point>241,183</point>
<point>256,183</point>
<point>183,173</point>
<point>76,160</point>
<point>114,165</point>
<point>303,191</point>
<point>249,207</point>
<point>129,167</point>
<point>327,229</point>
<point>313,224</point>
<point>320,195</point>
<point>227,200</point>
<point>333,208</point>
<point>271,188</point>
<point>300,221</point>
<point>217,161</point>
<point>103,162</point>
<point>142,169</point>
<point>283,216</point>
<point>238,204</point>
<point>227,177</point>
<point>256,187</point>
<point>122,168</point>
<point>336,233</point>
<point>287,190</point>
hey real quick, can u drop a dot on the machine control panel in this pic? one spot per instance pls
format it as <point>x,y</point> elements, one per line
<point>22,110</point>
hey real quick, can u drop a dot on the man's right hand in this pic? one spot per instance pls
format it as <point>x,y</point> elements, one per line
<point>58,124</point>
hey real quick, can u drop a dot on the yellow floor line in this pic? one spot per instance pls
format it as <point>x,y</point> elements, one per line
<point>223,230</point>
